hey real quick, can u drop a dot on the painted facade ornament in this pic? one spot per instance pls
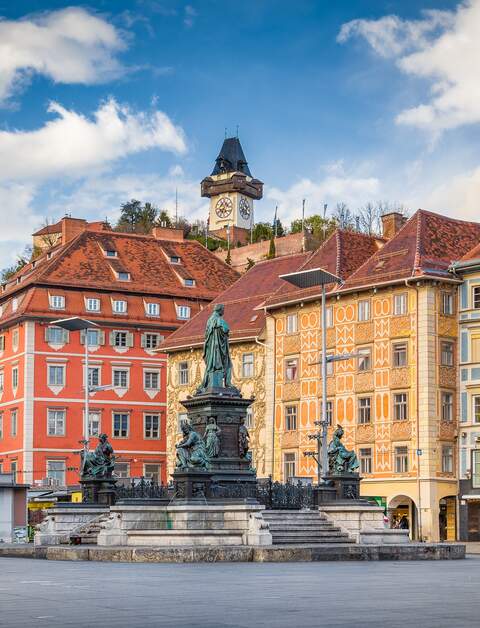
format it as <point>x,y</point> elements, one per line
<point>340,459</point>
<point>191,453</point>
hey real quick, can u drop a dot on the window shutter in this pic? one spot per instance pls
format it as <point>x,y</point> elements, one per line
<point>2,343</point>
<point>143,341</point>
<point>101,337</point>
<point>66,335</point>
<point>112,338</point>
<point>129,339</point>
<point>82,336</point>
<point>47,334</point>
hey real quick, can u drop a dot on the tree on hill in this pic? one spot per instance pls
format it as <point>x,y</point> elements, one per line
<point>318,226</point>
<point>262,231</point>
<point>271,250</point>
<point>138,218</point>
<point>21,261</point>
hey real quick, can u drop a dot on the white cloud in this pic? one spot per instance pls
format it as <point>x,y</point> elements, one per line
<point>68,46</point>
<point>443,48</point>
<point>73,144</point>
<point>350,189</point>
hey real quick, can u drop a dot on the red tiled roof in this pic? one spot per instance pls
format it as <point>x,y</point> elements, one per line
<point>425,245</point>
<point>55,228</point>
<point>81,263</point>
<point>473,254</point>
<point>241,301</point>
<point>341,254</point>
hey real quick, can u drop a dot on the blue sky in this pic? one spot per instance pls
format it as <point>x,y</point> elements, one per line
<point>336,102</point>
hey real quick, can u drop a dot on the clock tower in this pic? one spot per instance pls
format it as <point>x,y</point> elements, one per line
<point>231,188</point>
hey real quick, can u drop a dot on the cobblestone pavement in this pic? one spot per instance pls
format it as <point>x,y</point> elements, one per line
<point>431,594</point>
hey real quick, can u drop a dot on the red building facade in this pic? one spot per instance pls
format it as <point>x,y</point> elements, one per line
<point>138,290</point>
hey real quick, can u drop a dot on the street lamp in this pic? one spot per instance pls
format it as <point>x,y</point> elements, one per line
<point>75,323</point>
<point>310,279</point>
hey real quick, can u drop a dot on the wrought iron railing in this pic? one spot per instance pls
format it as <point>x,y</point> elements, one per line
<point>143,488</point>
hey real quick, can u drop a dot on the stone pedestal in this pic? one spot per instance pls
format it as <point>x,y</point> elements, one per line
<point>230,473</point>
<point>63,521</point>
<point>346,485</point>
<point>98,491</point>
<point>363,522</point>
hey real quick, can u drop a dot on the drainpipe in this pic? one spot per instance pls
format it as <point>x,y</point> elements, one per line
<point>419,523</point>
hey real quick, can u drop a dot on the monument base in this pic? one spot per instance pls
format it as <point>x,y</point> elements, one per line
<point>66,520</point>
<point>98,491</point>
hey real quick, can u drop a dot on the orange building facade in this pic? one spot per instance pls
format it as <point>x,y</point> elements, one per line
<point>137,290</point>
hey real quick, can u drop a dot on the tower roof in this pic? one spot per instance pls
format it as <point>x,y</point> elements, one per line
<point>231,158</point>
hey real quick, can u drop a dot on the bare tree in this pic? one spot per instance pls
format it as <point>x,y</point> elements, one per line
<point>343,216</point>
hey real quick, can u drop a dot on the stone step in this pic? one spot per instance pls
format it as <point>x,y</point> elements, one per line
<point>313,534</point>
<point>301,527</point>
<point>285,516</point>
<point>309,541</point>
<point>184,537</point>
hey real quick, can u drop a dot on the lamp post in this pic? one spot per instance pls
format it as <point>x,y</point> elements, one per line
<point>309,279</point>
<point>75,323</point>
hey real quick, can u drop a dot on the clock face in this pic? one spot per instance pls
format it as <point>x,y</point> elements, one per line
<point>224,207</point>
<point>244,208</point>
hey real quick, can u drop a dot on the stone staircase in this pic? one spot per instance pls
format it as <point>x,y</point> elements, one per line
<point>87,533</point>
<point>303,527</point>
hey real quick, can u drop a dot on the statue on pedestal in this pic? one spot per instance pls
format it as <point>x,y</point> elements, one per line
<point>191,451</point>
<point>340,459</point>
<point>216,354</point>
<point>244,442</point>
<point>212,438</point>
<point>99,463</point>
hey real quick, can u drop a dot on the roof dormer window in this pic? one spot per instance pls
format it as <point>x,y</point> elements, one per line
<point>152,309</point>
<point>110,253</point>
<point>123,276</point>
<point>92,304</point>
<point>189,283</point>
<point>175,259</point>
<point>14,304</point>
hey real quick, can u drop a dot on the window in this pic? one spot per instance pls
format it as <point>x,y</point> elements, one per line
<point>13,469</point>
<point>119,307</point>
<point>151,380</point>
<point>56,335</point>
<point>15,336</point>
<point>365,359</point>
<point>399,351</point>
<point>94,423</point>
<point>15,377</point>
<point>56,471</point>
<point>476,408</point>
<point>400,407</point>
<point>365,457</point>
<point>119,339</point>
<point>183,373</point>
<point>2,343</point>
<point>93,305</point>
<point>123,276</point>
<point>153,309</point>
<point>400,304</point>
<point>446,358</point>
<point>364,310</point>
<point>401,459</point>
<point>447,459</point>
<point>151,341</point>
<point>55,422</point>
<point>189,282</point>
<point>95,337</point>
<point>121,424</point>
<point>2,379</point>
<point>290,418</point>
<point>247,365</point>
<point>152,472</point>
<point>182,416</point>
<point>151,425</point>
<point>56,375</point>
<point>13,423</point>
<point>249,418</point>
<point>329,316</point>
<point>364,410</point>
<point>476,297</point>
<point>1,425</point>
<point>289,466</point>
<point>291,369</point>
<point>93,376</point>
<point>447,406</point>
<point>121,469</point>
<point>57,302</point>
<point>120,378</point>
<point>447,303</point>
<point>111,253</point>
<point>292,324</point>
<point>14,304</point>
<point>174,259</point>
<point>183,311</point>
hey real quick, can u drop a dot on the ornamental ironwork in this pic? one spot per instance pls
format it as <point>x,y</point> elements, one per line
<point>143,488</point>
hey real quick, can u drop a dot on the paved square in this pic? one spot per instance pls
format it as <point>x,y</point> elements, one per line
<point>433,594</point>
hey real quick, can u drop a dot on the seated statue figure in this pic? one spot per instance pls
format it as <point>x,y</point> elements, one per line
<point>340,459</point>
<point>191,451</point>
<point>99,463</point>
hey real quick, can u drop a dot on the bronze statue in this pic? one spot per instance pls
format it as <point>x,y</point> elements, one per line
<point>340,459</point>
<point>191,450</point>
<point>216,353</point>
<point>244,442</point>
<point>99,463</point>
<point>212,438</point>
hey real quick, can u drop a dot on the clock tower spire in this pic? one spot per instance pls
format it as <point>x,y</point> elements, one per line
<point>231,188</point>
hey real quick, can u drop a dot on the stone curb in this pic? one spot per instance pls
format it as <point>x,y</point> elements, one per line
<point>280,554</point>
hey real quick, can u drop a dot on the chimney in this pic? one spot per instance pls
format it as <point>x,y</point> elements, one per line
<point>71,227</point>
<point>391,223</point>
<point>165,233</point>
